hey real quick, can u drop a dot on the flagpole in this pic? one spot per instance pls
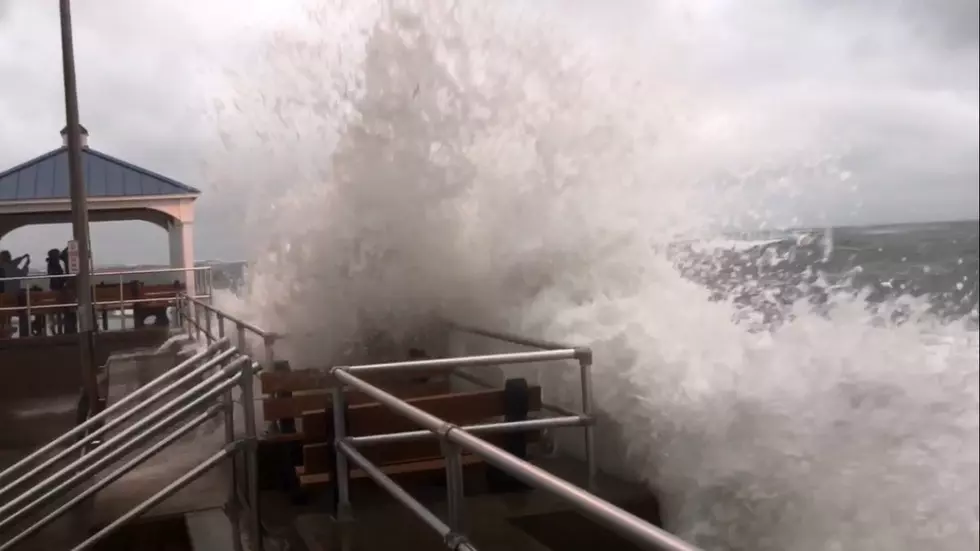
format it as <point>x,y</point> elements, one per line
<point>79,217</point>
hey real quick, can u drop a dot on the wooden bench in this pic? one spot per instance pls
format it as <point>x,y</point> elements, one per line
<point>512,403</point>
<point>299,456</point>
<point>287,394</point>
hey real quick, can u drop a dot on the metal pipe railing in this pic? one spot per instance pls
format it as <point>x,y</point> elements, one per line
<point>623,522</point>
<point>508,337</point>
<point>551,408</point>
<point>471,361</point>
<point>241,501</point>
<point>527,425</point>
<point>585,377</point>
<point>109,273</point>
<point>123,443</point>
<point>160,496</point>
<point>246,380</point>
<point>453,540</point>
<point>237,321</point>
<point>232,508</point>
<point>113,476</point>
<point>64,305</point>
<point>111,410</point>
<point>123,417</point>
<point>582,355</point>
<point>174,412</point>
<point>199,273</point>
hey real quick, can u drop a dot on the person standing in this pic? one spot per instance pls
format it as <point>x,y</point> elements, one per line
<point>56,267</point>
<point>11,268</point>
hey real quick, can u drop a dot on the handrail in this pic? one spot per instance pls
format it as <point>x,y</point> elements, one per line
<point>188,312</point>
<point>111,410</point>
<point>452,435</point>
<point>124,442</point>
<point>161,421</point>
<point>120,419</point>
<point>481,428</point>
<point>201,276</point>
<point>265,335</point>
<point>163,494</point>
<point>113,476</point>
<point>582,354</point>
<point>110,273</point>
<point>473,361</point>
<point>63,305</point>
<point>508,337</point>
<point>453,541</point>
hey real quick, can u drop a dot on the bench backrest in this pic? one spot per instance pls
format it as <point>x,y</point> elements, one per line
<point>462,408</point>
<point>289,394</point>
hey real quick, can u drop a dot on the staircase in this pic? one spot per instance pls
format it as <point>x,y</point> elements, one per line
<point>54,497</point>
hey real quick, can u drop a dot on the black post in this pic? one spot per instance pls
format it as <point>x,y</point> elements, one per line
<point>79,216</point>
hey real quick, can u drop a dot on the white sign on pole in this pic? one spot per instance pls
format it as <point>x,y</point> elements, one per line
<point>73,265</point>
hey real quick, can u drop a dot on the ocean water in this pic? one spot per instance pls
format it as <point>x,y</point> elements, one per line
<point>912,264</point>
<point>812,390</point>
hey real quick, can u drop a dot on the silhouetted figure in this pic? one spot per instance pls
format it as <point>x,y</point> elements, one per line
<point>12,267</point>
<point>57,266</point>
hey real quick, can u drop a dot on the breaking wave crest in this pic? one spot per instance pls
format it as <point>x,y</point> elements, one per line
<point>412,160</point>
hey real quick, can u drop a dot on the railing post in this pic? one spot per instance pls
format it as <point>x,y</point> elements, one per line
<point>251,449</point>
<point>269,365</point>
<point>454,486</point>
<point>28,305</point>
<point>232,507</point>
<point>197,318</point>
<point>177,322</point>
<point>122,304</point>
<point>240,334</point>
<point>585,373</point>
<point>343,512</point>
<point>270,355</point>
<point>208,330</point>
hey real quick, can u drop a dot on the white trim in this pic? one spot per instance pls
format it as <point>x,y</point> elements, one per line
<point>172,205</point>
<point>29,202</point>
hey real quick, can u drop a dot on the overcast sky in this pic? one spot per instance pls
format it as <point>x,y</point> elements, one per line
<point>148,68</point>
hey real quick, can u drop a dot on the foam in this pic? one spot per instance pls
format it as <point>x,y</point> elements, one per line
<point>485,164</point>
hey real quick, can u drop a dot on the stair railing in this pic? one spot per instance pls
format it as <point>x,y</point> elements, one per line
<point>203,321</point>
<point>173,419</point>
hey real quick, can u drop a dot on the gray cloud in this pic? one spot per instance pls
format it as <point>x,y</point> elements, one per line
<point>147,71</point>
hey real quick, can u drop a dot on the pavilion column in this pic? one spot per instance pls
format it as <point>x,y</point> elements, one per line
<point>5,228</point>
<point>182,251</point>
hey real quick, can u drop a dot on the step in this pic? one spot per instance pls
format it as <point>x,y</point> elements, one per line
<point>489,527</point>
<point>209,530</point>
<point>156,534</point>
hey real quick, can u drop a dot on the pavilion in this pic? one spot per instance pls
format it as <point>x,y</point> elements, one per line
<point>37,192</point>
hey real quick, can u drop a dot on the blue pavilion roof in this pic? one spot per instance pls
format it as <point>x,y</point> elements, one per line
<point>46,177</point>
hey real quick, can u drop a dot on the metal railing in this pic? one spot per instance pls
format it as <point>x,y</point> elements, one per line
<point>203,285</point>
<point>200,319</point>
<point>455,439</point>
<point>234,368</point>
<point>173,419</point>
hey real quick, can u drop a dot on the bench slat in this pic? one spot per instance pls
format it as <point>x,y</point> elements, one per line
<point>317,458</point>
<point>319,378</point>
<point>463,408</point>
<point>318,479</point>
<point>288,407</point>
